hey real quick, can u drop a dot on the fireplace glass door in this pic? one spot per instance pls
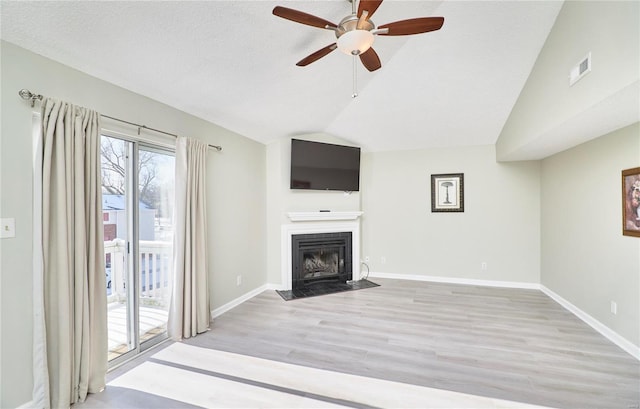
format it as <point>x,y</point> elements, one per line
<point>322,263</point>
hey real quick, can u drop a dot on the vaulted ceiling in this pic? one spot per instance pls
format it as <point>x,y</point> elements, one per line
<point>233,63</point>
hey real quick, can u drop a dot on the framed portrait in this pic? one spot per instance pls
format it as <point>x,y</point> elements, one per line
<point>447,192</point>
<point>631,202</point>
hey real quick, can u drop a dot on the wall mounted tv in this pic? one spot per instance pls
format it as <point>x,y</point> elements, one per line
<point>324,166</point>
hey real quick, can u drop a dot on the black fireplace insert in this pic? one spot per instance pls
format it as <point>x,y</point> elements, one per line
<point>321,257</point>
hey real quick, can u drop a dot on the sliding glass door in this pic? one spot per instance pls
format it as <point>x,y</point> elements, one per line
<point>137,199</point>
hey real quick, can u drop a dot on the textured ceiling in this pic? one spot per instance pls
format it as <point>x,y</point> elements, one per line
<point>233,63</point>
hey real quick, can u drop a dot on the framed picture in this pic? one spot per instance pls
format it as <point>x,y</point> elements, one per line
<point>447,192</point>
<point>631,202</point>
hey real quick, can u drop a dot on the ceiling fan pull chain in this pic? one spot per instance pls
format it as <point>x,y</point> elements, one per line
<point>355,78</point>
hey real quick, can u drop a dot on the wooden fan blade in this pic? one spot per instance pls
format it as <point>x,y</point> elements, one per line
<point>413,26</point>
<point>370,5</point>
<point>317,55</point>
<point>370,60</point>
<point>302,18</point>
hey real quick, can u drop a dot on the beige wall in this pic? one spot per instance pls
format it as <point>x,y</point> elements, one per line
<point>236,201</point>
<point>585,257</point>
<point>500,224</point>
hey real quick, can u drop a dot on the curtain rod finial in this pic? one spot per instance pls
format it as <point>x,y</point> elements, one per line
<point>26,94</point>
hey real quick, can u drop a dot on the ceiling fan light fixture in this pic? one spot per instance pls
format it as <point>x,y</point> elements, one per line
<point>355,42</point>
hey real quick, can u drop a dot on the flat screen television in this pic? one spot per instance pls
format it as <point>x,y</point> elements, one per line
<point>324,166</point>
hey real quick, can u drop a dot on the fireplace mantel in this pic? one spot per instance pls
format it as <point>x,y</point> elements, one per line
<point>323,216</point>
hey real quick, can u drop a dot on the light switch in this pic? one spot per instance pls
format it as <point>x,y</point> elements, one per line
<point>7,228</point>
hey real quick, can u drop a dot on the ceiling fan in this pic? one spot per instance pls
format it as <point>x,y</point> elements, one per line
<point>355,33</point>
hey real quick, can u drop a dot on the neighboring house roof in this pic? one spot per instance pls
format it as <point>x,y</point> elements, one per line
<point>117,202</point>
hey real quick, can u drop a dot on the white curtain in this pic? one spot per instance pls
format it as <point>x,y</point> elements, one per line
<point>70,345</point>
<point>189,309</point>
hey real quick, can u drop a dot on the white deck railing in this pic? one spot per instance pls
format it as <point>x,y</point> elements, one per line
<point>154,270</point>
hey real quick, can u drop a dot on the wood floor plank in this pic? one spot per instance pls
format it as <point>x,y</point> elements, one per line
<point>503,343</point>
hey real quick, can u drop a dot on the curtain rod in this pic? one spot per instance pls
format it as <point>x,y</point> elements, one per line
<point>28,95</point>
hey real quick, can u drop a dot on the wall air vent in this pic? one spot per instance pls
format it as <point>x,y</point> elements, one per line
<point>580,70</point>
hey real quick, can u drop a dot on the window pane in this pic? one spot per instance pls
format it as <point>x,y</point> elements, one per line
<point>155,234</point>
<point>116,174</point>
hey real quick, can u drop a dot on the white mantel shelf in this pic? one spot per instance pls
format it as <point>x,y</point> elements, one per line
<point>322,216</point>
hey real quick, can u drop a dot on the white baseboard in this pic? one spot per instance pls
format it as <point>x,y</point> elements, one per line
<point>452,280</point>
<point>607,332</point>
<point>234,303</point>
<point>27,405</point>
<point>273,286</point>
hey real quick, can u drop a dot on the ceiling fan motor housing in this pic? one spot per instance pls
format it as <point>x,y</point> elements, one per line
<point>350,23</point>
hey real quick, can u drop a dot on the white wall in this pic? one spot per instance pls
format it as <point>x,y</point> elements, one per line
<point>548,111</point>
<point>281,199</point>
<point>585,257</point>
<point>500,224</point>
<point>236,200</point>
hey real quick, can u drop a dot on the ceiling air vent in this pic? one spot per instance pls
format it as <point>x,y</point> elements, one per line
<point>580,70</point>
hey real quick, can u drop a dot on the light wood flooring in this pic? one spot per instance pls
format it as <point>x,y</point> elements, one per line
<point>511,344</point>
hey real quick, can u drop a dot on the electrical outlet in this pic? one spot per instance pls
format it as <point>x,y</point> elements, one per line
<point>483,266</point>
<point>367,259</point>
<point>239,280</point>
<point>7,228</point>
<point>614,308</point>
<point>383,259</point>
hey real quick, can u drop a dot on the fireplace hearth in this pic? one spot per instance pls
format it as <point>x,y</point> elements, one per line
<point>320,257</point>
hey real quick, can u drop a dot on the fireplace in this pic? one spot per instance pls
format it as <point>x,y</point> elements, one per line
<point>320,257</point>
<point>319,223</point>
